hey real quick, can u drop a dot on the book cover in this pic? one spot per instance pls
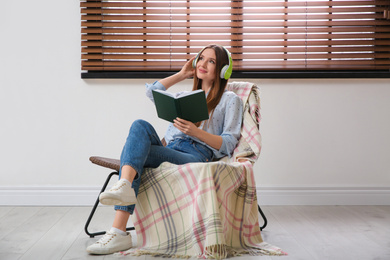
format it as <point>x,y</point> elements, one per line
<point>191,106</point>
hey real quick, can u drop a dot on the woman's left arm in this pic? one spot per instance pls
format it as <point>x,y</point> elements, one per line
<point>227,140</point>
<point>190,129</point>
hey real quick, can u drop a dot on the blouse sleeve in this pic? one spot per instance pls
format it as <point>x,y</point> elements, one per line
<point>150,87</point>
<point>232,127</point>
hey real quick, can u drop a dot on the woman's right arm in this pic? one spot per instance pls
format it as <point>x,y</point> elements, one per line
<point>186,72</point>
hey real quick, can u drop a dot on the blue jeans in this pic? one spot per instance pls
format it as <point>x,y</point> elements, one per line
<point>143,149</point>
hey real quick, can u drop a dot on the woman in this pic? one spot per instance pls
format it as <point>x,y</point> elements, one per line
<point>186,142</point>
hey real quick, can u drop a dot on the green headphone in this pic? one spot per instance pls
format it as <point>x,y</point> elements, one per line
<point>226,71</point>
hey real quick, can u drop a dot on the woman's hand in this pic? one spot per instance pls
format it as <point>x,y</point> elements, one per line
<point>185,126</point>
<point>188,71</point>
<point>190,129</point>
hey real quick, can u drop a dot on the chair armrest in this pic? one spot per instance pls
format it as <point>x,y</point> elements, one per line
<point>113,164</point>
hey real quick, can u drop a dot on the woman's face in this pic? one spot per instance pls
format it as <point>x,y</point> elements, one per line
<point>205,67</point>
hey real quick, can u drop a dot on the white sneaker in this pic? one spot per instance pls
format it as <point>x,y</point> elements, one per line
<point>121,194</point>
<point>110,243</point>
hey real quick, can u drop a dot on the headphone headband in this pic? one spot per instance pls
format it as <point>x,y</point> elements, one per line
<point>226,71</point>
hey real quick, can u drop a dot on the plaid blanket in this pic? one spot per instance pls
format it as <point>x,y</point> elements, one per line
<point>206,210</point>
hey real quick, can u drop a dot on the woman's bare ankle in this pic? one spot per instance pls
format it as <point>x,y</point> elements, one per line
<point>128,173</point>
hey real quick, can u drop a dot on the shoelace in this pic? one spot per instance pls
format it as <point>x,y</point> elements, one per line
<point>106,238</point>
<point>117,186</point>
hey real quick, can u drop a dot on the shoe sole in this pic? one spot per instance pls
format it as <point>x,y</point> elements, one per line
<point>106,251</point>
<point>109,199</point>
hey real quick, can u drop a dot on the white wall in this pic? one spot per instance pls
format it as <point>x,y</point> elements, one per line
<point>327,135</point>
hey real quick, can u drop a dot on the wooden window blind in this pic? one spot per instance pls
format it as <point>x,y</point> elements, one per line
<point>262,35</point>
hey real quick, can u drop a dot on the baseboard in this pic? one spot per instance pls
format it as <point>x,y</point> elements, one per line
<point>86,196</point>
<point>323,195</point>
<point>48,196</point>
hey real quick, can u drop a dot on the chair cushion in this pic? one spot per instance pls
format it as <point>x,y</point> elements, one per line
<point>106,162</point>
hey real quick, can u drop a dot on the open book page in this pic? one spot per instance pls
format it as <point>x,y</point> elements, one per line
<point>179,94</point>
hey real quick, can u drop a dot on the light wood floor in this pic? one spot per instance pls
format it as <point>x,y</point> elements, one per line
<point>304,232</point>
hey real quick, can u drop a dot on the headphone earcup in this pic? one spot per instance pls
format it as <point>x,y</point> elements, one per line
<point>195,61</point>
<point>223,71</point>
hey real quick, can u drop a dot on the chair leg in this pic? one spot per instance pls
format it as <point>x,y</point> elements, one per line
<point>95,207</point>
<point>264,218</point>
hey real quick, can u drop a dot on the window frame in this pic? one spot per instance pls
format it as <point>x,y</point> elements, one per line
<point>385,73</point>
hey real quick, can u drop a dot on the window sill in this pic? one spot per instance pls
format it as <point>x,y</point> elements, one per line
<point>252,74</point>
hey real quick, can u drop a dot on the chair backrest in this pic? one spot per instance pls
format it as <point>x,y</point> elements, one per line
<point>249,145</point>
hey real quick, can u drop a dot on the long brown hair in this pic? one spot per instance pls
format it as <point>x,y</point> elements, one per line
<point>219,84</point>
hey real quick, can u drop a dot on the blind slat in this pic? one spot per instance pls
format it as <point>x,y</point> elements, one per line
<point>220,4</point>
<point>352,36</point>
<point>224,24</point>
<point>239,43</point>
<point>310,19</point>
<point>243,56</point>
<point>282,49</point>
<point>241,11</point>
<point>257,30</point>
